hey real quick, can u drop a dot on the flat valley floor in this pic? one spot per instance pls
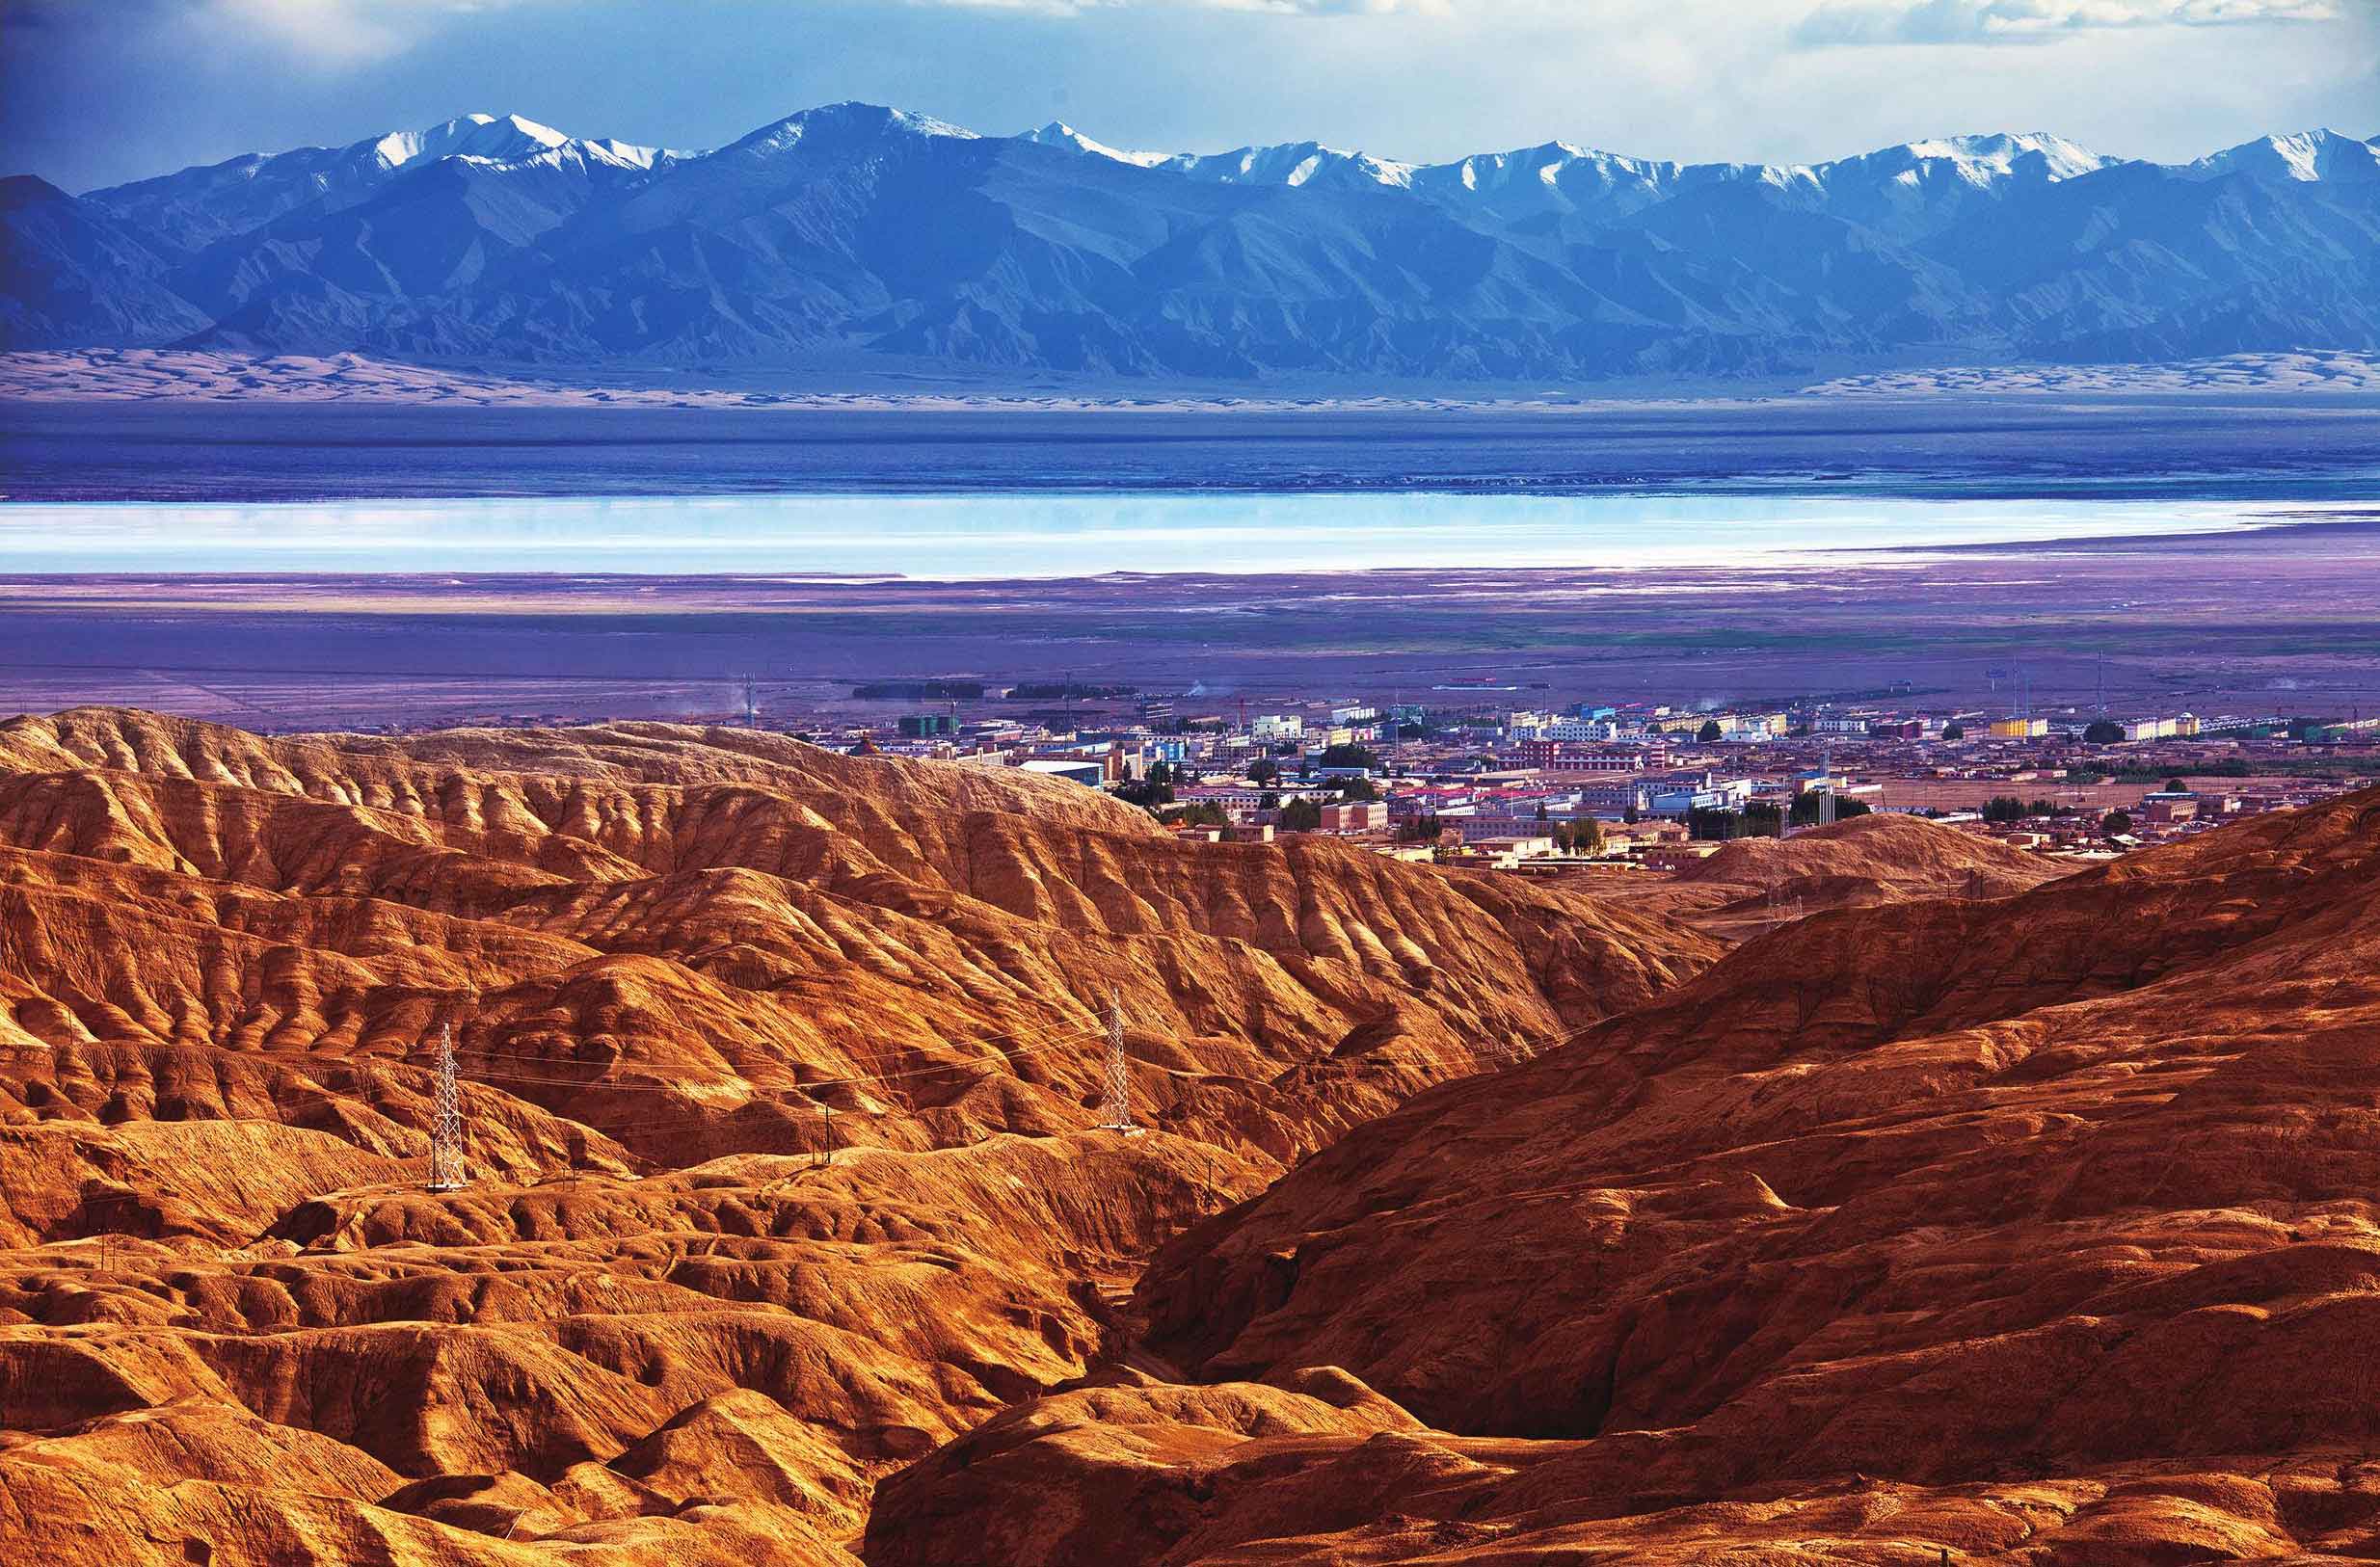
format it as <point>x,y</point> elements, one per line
<point>2277,621</point>
<point>2273,620</point>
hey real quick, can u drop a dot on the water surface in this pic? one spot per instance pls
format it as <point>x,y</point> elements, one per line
<point>1009,534</point>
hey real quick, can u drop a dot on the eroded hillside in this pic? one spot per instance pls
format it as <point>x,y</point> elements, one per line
<point>2038,1230</point>
<point>681,969</point>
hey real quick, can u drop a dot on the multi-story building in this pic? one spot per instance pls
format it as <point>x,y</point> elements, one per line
<point>1355,816</point>
<point>1575,730</point>
<point>1560,757</point>
<point>1277,729</point>
<point>1680,796</point>
<point>1613,798</point>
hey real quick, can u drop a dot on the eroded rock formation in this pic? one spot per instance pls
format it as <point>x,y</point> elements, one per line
<point>2039,1229</point>
<point>681,969</point>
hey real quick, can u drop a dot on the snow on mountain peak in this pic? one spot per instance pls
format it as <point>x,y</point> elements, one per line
<point>1057,133</point>
<point>839,124</point>
<point>478,136</point>
<point>1985,160</point>
<point>2305,158</point>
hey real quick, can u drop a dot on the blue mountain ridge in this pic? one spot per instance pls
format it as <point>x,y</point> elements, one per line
<point>858,230</point>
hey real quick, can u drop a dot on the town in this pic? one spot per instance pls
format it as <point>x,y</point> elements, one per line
<point>1463,779</point>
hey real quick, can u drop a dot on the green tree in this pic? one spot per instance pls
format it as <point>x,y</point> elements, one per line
<point>1709,731</point>
<point>1357,788</point>
<point>2105,731</point>
<point>1713,826</point>
<point>2176,786</point>
<point>1146,793</point>
<point>1263,770</point>
<point>1805,809</point>
<point>1350,755</point>
<point>1197,814</point>
<point>2116,821</point>
<point>1418,830</point>
<point>2003,808</point>
<point>1954,731</point>
<point>1300,816</point>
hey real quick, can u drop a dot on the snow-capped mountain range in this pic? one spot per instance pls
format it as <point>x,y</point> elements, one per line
<point>851,232</point>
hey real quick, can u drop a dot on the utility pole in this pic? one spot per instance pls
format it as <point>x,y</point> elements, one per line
<point>1116,1112</point>
<point>825,1155</point>
<point>446,1172</point>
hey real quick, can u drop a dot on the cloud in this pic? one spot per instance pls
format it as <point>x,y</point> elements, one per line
<point>335,35</point>
<point>2034,21</point>
<point>320,36</point>
<point>1267,7</point>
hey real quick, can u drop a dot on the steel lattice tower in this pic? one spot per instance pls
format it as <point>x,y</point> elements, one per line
<point>446,1172</point>
<point>1115,1113</point>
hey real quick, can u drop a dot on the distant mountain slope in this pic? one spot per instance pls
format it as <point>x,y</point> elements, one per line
<point>849,231</point>
<point>74,276</point>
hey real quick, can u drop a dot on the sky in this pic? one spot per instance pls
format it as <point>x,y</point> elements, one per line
<point>96,91</point>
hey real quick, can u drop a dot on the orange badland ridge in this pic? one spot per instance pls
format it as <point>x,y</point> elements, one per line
<point>1475,1219</point>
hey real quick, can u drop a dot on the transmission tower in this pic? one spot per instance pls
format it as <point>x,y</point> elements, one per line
<point>1115,1113</point>
<point>447,1122</point>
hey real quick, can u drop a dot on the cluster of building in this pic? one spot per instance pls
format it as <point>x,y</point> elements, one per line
<point>1643,783</point>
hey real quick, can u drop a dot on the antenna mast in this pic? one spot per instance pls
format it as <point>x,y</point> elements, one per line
<point>446,1172</point>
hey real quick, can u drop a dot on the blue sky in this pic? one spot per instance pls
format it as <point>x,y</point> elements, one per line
<point>93,92</point>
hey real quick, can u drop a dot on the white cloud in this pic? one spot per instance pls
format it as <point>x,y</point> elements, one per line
<point>334,35</point>
<point>2021,22</point>
<point>1267,7</point>
<point>1808,21</point>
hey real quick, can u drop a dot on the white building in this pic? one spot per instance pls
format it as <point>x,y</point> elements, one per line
<point>1575,730</point>
<point>1272,728</point>
<point>1091,773</point>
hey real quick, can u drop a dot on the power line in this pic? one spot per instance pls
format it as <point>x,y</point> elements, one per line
<point>485,1052</point>
<point>1050,1043</point>
<point>498,1080</point>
